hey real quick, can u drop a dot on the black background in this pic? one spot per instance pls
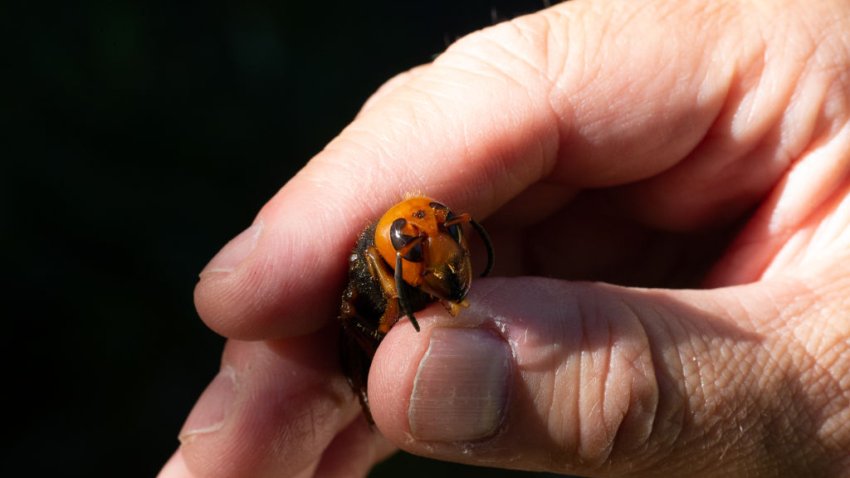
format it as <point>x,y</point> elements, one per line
<point>139,138</point>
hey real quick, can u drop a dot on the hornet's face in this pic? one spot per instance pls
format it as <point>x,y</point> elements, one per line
<point>423,242</point>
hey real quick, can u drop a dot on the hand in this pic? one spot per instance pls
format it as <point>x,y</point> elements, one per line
<point>663,144</point>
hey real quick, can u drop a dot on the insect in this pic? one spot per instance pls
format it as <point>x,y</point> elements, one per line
<point>414,255</point>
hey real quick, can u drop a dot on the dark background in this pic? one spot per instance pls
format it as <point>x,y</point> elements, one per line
<point>138,139</point>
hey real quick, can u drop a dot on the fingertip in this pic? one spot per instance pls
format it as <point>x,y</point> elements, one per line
<point>235,251</point>
<point>448,383</point>
<point>284,285</point>
<point>175,467</point>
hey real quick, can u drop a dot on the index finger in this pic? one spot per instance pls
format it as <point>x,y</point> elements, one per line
<point>551,96</point>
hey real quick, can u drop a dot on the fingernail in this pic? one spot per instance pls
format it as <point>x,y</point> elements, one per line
<point>212,407</point>
<point>461,388</point>
<point>235,251</point>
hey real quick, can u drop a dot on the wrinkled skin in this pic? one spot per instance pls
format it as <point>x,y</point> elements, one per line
<point>698,148</point>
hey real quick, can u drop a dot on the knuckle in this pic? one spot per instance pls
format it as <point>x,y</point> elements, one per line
<point>518,51</point>
<point>638,406</point>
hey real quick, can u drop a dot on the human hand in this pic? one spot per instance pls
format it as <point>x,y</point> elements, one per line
<point>614,141</point>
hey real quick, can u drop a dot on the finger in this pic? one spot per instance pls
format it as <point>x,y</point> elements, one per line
<point>391,85</point>
<point>780,107</point>
<point>271,411</point>
<point>353,452</point>
<point>175,468</point>
<point>591,379</point>
<point>499,111</point>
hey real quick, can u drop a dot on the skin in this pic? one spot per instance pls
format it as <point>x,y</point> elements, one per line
<point>697,148</point>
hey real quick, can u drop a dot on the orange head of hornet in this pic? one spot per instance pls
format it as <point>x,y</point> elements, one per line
<point>423,241</point>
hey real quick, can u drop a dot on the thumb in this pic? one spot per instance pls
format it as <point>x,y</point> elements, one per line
<point>541,374</point>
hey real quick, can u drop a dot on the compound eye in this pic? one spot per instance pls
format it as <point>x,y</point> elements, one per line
<point>454,229</point>
<point>409,246</point>
<point>437,206</point>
